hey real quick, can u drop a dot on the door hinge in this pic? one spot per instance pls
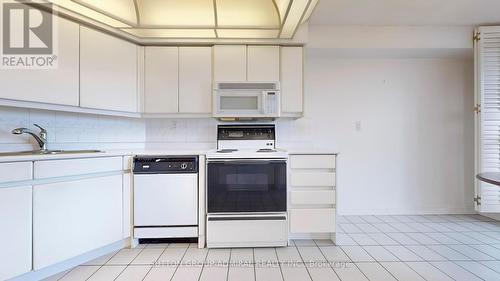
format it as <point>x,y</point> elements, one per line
<point>477,200</point>
<point>477,108</point>
<point>476,37</point>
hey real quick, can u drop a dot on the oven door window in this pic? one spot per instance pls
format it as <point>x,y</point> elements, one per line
<point>246,186</point>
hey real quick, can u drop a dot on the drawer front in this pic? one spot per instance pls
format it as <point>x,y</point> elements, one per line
<point>313,197</point>
<point>18,171</point>
<point>73,167</point>
<point>312,161</point>
<point>312,220</point>
<point>312,179</point>
<point>256,233</point>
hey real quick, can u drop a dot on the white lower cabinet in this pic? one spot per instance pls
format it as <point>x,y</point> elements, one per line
<point>82,215</point>
<point>312,194</point>
<point>312,220</point>
<point>15,225</point>
<point>127,196</point>
<point>127,205</point>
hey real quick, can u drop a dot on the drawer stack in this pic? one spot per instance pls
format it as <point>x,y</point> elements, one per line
<point>312,194</point>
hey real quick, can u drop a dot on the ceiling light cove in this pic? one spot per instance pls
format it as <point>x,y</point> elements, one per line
<point>196,19</point>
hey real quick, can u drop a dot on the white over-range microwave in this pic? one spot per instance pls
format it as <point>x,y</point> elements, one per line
<point>246,100</point>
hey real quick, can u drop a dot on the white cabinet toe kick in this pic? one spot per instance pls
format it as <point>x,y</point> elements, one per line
<point>247,230</point>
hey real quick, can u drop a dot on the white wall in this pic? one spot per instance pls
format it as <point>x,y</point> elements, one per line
<point>414,152</point>
<point>70,130</point>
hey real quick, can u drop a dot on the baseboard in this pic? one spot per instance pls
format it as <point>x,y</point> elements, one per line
<point>294,236</point>
<point>67,264</point>
<point>491,216</point>
<point>427,211</point>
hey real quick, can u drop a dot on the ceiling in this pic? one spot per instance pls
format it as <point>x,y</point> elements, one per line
<point>407,12</point>
<point>212,19</point>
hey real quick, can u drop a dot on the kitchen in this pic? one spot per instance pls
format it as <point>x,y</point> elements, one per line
<point>318,147</point>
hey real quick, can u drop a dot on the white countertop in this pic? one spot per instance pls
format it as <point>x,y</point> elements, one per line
<point>124,152</point>
<point>108,153</point>
<point>313,152</point>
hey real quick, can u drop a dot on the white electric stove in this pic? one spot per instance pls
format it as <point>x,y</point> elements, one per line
<point>246,189</point>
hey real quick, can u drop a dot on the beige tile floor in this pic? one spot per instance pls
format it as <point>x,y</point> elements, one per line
<point>404,248</point>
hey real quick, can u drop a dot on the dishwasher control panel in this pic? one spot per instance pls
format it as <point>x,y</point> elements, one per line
<point>165,164</point>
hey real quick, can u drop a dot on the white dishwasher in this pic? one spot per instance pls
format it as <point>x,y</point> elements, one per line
<point>165,197</point>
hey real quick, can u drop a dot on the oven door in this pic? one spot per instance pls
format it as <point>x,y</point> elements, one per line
<point>246,185</point>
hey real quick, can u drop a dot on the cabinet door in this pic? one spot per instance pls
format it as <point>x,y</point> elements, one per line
<point>263,63</point>
<point>108,72</point>
<point>81,215</point>
<point>55,86</point>
<point>161,79</point>
<point>15,221</point>
<point>195,79</point>
<point>291,80</point>
<point>127,205</point>
<point>230,63</point>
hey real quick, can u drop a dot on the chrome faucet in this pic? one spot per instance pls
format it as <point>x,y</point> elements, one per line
<point>41,138</point>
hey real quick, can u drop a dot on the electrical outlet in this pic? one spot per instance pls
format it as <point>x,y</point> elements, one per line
<point>358,126</point>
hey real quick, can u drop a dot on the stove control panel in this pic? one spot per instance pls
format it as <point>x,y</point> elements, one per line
<point>246,132</point>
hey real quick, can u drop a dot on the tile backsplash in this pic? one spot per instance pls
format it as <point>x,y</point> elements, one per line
<point>70,130</point>
<point>84,131</point>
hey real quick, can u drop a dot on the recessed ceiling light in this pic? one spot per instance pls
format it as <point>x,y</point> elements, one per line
<point>165,19</point>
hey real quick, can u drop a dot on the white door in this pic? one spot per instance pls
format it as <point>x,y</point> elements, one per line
<point>15,234</point>
<point>195,79</point>
<point>263,63</point>
<point>230,63</point>
<point>54,86</point>
<point>165,199</point>
<point>487,119</point>
<point>108,72</point>
<point>161,80</point>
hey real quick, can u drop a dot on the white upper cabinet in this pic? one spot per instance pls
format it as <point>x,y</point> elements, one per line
<point>237,63</point>
<point>195,79</point>
<point>263,63</point>
<point>178,80</point>
<point>161,80</point>
<point>292,80</point>
<point>53,86</point>
<point>230,63</point>
<point>108,72</point>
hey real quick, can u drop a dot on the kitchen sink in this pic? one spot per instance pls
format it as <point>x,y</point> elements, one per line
<point>47,152</point>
